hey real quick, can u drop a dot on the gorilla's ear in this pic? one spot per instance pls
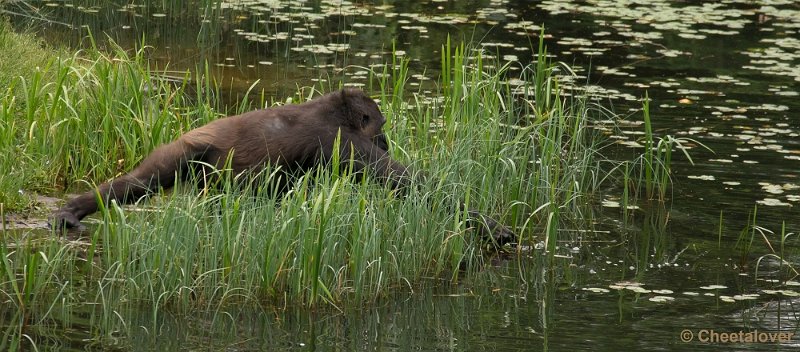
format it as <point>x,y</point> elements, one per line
<point>350,108</point>
<point>350,96</point>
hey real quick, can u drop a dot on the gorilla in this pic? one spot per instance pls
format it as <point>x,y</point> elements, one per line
<point>294,137</point>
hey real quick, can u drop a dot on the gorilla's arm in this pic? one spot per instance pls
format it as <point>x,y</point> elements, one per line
<point>157,171</point>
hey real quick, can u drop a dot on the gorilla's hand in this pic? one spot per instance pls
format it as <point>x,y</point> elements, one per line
<point>64,219</point>
<point>490,228</point>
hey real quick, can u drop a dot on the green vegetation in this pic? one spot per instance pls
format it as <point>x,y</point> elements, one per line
<point>22,55</point>
<point>22,59</point>
<point>525,154</point>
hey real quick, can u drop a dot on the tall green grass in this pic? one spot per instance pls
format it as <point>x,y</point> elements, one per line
<point>525,155</point>
<point>648,176</point>
<point>90,116</point>
<point>22,57</point>
<point>527,159</point>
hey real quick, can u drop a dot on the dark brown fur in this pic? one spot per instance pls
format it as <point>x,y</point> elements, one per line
<point>293,137</point>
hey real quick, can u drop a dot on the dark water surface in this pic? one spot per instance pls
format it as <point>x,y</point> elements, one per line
<point>726,74</point>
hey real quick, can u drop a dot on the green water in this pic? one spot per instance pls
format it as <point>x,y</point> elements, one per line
<point>725,74</point>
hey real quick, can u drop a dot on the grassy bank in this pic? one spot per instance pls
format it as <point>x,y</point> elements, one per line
<point>22,58</point>
<point>521,153</point>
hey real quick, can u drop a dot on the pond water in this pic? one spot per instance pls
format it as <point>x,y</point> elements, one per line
<point>726,74</point>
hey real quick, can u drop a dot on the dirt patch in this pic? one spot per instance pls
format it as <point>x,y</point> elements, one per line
<point>36,218</point>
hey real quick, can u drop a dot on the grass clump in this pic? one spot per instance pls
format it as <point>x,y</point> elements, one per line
<point>90,116</point>
<point>23,57</point>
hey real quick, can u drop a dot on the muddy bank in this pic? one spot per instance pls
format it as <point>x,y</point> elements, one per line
<point>35,218</point>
